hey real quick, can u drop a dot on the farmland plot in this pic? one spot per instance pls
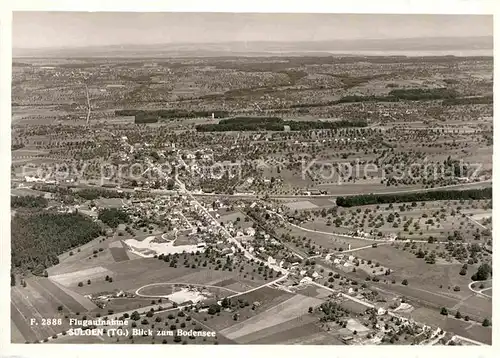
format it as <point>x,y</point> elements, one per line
<point>21,322</point>
<point>405,265</point>
<point>290,309</point>
<point>264,298</point>
<point>31,309</point>
<point>72,278</point>
<point>472,330</point>
<point>118,252</point>
<point>130,275</point>
<point>42,299</point>
<point>15,333</point>
<point>302,325</point>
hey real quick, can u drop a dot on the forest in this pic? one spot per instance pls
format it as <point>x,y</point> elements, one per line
<point>95,193</point>
<point>358,200</point>
<point>468,100</point>
<point>28,201</point>
<point>37,239</point>
<point>142,116</point>
<point>113,217</point>
<point>396,95</point>
<point>274,124</point>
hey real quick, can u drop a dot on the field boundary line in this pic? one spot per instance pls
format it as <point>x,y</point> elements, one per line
<point>55,298</point>
<point>40,316</point>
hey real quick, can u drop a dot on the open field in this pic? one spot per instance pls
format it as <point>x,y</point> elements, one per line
<point>488,291</point>
<point>461,327</point>
<point>314,291</point>
<point>263,299</point>
<point>110,203</point>
<point>300,205</point>
<point>118,252</point>
<point>83,257</point>
<point>404,265</point>
<point>272,317</point>
<point>477,306</point>
<point>21,330</point>
<point>292,329</point>
<point>316,338</point>
<point>72,278</point>
<point>421,221</point>
<point>320,241</point>
<point>430,285</point>
<point>182,292</point>
<point>292,308</point>
<point>57,293</point>
<point>40,300</point>
<point>15,334</point>
<point>133,274</point>
<point>130,275</point>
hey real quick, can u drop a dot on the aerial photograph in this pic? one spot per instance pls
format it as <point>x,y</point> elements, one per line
<point>251,178</point>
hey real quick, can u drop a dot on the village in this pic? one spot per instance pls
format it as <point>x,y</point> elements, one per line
<point>253,193</point>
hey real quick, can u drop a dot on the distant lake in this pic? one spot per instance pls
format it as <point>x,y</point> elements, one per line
<point>461,53</point>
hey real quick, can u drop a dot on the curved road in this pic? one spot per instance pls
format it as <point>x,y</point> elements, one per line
<point>355,237</point>
<point>480,291</point>
<point>177,283</point>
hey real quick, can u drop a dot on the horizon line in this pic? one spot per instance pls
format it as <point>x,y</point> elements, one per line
<point>245,41</point>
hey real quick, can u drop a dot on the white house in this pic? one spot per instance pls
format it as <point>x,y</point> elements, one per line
<point>306,280</point>
<point>29,179</point>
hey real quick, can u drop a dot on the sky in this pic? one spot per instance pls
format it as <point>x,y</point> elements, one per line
<point>81,29</point>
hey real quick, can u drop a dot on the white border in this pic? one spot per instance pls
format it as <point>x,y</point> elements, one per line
<point>289,6</point>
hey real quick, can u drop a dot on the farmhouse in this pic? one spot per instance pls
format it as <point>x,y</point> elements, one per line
<point>306,280</point>
<point>271,260</point>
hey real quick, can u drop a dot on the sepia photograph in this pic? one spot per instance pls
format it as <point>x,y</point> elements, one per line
<point>225,178</point>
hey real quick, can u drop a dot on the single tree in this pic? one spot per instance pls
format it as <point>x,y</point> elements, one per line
<point>135,316</point>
